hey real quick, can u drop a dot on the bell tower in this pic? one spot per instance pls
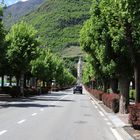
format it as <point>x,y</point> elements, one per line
<point>79,71</point>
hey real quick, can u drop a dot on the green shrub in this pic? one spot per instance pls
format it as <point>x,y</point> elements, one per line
<point>132,94</point>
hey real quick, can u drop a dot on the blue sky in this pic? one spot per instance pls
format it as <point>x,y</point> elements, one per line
<point>9,2</point>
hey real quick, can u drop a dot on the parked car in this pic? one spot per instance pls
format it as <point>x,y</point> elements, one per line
<point>77,89</point>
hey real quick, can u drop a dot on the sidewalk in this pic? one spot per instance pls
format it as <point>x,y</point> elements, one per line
<point>120,121</point>
<point>4,98</point>
<point>135,134</point>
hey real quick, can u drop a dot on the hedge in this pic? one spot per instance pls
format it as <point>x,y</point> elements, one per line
<point>96,93</point>
<point>111,100</point>
<point>134,115</point>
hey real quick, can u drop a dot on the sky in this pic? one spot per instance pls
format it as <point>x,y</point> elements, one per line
<point>9,2</point>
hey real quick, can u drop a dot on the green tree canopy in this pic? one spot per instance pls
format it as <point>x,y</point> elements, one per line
<point>22,43</point>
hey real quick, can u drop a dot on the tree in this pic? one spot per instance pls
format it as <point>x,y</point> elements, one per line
<point>2,46</point>
<point>121,55</point>
<point>88,71</point>
<point>22,48</point>
<point>39,67</point>
<point>93,41</point>
<point>103,38</point>
<point>48,67</point>
<point>129,17</point>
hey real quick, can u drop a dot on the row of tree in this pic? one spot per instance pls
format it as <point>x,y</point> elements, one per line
<point>111,38</point>
<point>22,56</point>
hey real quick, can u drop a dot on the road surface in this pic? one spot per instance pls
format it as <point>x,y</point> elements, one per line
<point>57,116</point>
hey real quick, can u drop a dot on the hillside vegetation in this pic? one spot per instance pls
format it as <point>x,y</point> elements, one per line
<point>59,22</point>
<point>14,12</point>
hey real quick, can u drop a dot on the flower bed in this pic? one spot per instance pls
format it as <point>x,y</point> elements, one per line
<point>134,115</point>
<point>96,93</point>
<point>111,101</point>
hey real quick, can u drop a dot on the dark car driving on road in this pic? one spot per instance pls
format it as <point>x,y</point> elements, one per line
<point>77,89</point>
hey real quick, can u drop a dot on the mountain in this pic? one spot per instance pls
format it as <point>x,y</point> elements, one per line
<point>13,13</point>
<point>59,22</point>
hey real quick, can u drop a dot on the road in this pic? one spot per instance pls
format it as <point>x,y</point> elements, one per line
<point>57,116</point>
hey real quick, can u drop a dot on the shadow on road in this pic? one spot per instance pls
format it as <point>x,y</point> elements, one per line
<point>48,99</point>
<point>34,101</point>
<point>8,98</point>
<point>26,105</point>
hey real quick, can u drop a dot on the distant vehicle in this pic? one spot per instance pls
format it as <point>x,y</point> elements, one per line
<point>77,89</point>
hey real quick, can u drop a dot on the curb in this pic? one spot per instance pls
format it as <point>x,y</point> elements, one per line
<point>113,118</point>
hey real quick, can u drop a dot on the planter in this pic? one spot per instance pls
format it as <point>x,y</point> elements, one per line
<point>134,115</point>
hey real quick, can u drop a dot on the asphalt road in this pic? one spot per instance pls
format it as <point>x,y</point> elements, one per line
<point>57,116</point>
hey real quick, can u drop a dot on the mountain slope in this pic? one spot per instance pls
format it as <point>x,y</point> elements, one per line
<point>59,22</point>
<point>14,12</point>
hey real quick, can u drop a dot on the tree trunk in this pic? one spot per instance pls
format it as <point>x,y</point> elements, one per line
<point>137,83</point>
<point>114,85</point>
<point>129,39</point>
<point>36,83</point>
<point>28,83</point>
<point>2,81</point>
<point>33,82</point>
<point>105,85</point>
<point>43,84</point>
<point>22,84</point>
<point>133,83</point>
<point>24,80</point>
<point>17,81</point>
<point>124,94</point>
<point>10,80</point>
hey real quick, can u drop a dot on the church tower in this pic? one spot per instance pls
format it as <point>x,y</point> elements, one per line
<point>79,72</point>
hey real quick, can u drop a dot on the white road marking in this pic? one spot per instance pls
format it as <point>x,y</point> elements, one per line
<point>116,134</point>
<point>93,103</point>
<point>34,114</point>
<point>2,132</point>
<point>13,102</point>
<point>108,123</point>
<point>22,121</point>
<point>105,119</point>
<point>96,107</point>
<point>42,109</point>
<point>101,113</point>
<point>63,97</point>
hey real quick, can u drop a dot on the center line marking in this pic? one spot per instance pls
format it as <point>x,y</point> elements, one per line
<point>105,119</point>
<point>22,121</point>
<point>108,123</point>
<point>42,109</point>
<point>63,97</point>
<point>2,132</point>
<point>34,114</point>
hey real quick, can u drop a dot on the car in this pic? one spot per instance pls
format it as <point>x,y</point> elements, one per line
<point>77,89</point>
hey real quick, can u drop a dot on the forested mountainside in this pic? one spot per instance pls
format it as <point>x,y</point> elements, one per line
<point>59,23</point>
<point>14,12</point>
